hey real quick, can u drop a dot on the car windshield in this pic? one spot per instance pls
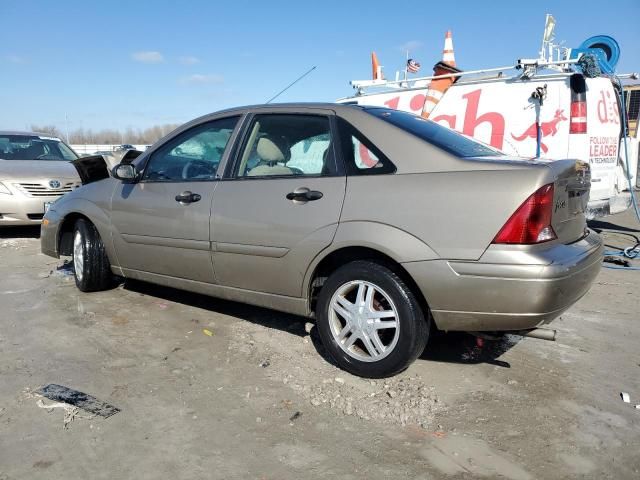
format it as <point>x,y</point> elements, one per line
<point>437,135</point>
<point>34,147</point>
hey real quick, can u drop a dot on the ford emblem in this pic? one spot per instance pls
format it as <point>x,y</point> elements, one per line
<point>54,183</point>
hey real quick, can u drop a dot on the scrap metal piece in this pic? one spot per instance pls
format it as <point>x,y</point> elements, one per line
<point>60,393</point>
<point>616,261</point>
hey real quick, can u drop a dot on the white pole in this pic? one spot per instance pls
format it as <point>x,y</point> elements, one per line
<point>66,121</point>
<point>406,66</point>
<point>542,47</point>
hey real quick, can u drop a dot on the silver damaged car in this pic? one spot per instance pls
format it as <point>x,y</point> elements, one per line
<point>34,172</point>
<point>378,223</point>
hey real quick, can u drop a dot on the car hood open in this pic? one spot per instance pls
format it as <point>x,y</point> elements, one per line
<point>91,169</point>
<point>94,168</point>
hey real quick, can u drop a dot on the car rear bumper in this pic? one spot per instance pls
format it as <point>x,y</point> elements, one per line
<point>504,294</point>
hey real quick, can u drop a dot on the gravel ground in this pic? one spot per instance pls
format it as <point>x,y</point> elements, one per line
<point>402,400</point>
<point>213,389</point>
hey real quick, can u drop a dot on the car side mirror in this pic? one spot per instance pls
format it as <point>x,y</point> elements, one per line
<point>126,172</point>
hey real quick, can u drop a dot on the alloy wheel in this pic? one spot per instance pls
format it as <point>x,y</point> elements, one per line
<point>364,321</point>
<point>78,257</point>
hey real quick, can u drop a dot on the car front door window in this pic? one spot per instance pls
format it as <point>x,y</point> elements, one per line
<point>192,156</point>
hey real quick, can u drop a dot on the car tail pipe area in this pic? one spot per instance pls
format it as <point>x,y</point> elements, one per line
<point>540,333</point>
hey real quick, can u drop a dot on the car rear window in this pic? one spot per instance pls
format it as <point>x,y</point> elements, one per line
<point>437,135</point>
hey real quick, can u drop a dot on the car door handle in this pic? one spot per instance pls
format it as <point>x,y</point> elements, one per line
<point>188,197</point>
<point>303,194</point>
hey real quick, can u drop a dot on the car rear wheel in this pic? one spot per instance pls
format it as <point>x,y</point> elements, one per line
<point>91,266</point>
<point>370,321</point>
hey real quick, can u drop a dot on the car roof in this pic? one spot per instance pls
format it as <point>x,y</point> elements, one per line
<point>337,107</point>
<point>26,134</point>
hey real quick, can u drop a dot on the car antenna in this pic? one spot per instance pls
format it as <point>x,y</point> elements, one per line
<point>291,84</point>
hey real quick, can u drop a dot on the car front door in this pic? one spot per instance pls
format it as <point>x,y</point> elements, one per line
<point>160,224</point>
<point>280,205</point>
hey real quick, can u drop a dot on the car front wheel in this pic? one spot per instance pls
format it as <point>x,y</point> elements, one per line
<point>91,266</point>
<point>370,321</point>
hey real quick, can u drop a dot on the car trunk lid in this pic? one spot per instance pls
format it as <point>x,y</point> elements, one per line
<point>571,195</point>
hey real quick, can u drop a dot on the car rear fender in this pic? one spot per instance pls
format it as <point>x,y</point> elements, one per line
<point>390,241</point>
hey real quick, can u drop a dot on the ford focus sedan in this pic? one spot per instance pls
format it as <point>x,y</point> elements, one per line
<point>34,172</point>
<point>378,223</point>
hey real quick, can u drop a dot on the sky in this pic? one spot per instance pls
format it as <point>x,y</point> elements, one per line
<point>118,64</point>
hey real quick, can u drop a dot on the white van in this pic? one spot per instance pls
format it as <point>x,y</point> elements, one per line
<point>579,117</point>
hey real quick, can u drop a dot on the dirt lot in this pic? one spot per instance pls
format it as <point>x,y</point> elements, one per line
<point>258,398</point>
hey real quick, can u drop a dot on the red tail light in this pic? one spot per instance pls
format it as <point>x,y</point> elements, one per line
<point>531,222</point>
<point>578,122</point>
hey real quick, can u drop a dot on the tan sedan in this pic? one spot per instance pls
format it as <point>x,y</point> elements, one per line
<point>381,225</point>
<point>34,172</point>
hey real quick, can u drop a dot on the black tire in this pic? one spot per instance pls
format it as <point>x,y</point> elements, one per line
<point>94,272</point>
<point>413,331</point>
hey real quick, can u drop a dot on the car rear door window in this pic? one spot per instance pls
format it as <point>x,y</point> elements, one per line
<point>193,155</point>
<point>361,156</point>
<point>283,145</point>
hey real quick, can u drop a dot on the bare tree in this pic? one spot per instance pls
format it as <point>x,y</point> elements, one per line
<point>48,129</point>
<point>130,135</point>
<point>110,136</point>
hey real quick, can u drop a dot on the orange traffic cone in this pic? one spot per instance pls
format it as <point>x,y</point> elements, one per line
<point>447,52</point>
<point>376,68</point>
<point>439,86</point>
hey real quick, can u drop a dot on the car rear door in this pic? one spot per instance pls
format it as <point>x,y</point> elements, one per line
<point>160,224</point>
<point>280,205</point>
